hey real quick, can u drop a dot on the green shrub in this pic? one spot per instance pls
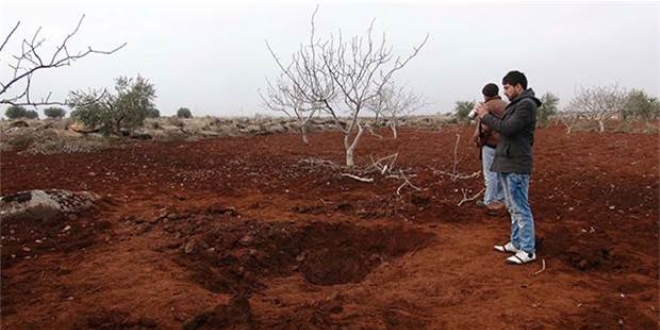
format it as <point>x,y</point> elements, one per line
<point>640,106</point>
<point>153,113</point>
<point>547,109</point>
<point>31,114</point>
<point>15,112</point>
<point>126,109</point>
<point>183,113</point>
<point>54,112</point>
<point>463,108</point>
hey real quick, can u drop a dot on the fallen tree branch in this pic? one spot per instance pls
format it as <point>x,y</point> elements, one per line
<point>454,175</point>
<point>407,182</point>
<point>318,162</point>
<point>372,132</point>
<point>458,176</point>
<point>378,164</point>
<point>355,177</point>
<point>466,199</point>
<point>540,270</point>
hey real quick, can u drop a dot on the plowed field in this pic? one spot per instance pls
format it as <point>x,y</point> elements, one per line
<point>261,233</point>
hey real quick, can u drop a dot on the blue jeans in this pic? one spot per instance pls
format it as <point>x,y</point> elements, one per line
<point>516,187</point>
<point>494,191</point>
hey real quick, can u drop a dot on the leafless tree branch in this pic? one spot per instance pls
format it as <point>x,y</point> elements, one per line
<point>394,102</point>
<point>30,54</point>
<point>469,199</point>
<point>9,35</point>
<point>355,177</point>
<point>405,183</point>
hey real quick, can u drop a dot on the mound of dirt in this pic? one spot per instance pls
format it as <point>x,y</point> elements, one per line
<point>37,222</point>
<point>45,204</point>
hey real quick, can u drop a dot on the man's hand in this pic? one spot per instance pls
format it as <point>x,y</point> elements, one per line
<point>482,110</point>
<point>475,139</point>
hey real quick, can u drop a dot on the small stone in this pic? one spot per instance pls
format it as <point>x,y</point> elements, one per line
<point>67,228</point>
<point>190,247</point>
<point>247,240</point>
<point>26,249</point>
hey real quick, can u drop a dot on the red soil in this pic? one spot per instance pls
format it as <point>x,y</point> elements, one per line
<point>247,233</point>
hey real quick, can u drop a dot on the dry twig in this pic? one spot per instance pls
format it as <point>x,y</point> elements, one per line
<point>355,177</point>
<point>466,199</point>
<point>383,168</point>
<point>542,268</point>
<point>318,162</point>
<point>454,175</point>
<point>458,176</point>
<point>407,182</point>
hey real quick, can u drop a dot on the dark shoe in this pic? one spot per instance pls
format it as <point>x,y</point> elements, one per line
<point>481,204</point>
<point>496,208</point>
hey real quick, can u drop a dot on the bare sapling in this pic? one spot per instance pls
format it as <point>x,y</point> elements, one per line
<point>394,103</point>
<point>285,97</point>
<point>338,76</point>
<point>454,174</point>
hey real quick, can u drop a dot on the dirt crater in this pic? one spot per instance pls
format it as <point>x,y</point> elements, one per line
<point>228,254</point>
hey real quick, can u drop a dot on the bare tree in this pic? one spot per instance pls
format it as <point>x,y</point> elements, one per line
<point>599,103</point>
<point>284,96</point>
<point>304,89</point>
<point>567,118</point>
<point>345,76</point>
<point>31,59</point>
<point>393,103</point>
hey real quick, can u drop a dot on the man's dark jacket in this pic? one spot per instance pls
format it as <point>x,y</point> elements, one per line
<point>514,150</point>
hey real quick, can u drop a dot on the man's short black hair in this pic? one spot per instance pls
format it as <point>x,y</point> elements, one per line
<point>490,90</point>
<point>514,78</point>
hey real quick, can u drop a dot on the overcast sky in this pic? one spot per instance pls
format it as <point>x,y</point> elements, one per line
<point>211,56</point>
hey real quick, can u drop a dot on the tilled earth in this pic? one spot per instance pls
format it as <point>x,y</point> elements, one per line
<point>265,233</point>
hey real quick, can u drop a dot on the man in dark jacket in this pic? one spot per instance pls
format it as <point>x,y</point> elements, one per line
<point>513,162</point>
